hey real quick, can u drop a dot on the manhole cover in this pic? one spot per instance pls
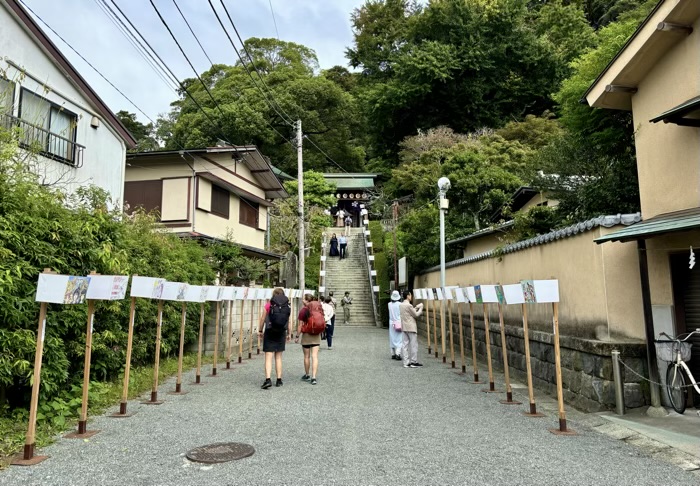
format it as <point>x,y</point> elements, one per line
<point>220,452</point>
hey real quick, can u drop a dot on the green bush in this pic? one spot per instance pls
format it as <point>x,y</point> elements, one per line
<point>381,265</point>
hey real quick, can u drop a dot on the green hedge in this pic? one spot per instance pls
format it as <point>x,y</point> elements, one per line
<point>381,264</point>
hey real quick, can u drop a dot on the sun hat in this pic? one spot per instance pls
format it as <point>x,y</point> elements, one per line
<point>395,295</point>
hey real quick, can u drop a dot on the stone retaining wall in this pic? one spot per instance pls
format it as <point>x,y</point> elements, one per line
<point>587,374</point>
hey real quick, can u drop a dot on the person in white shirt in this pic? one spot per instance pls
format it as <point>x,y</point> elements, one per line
<point>328,315</point>
<point>395,335</point>
<point>341,218</point>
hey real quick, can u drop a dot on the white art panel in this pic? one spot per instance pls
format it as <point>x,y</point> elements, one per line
<point>174,291</point>
<point>513,294</point>
<point>546,291</point>
<point>147,287</point>
<point>252,294</point>
<point>418,294</point>
<point>107,287</point>
<point>488,294</point>
<point>61,289</point>
<point>429,294</point>
<point>471,294</point>
<point>195,293</point>
<point>459,296</point>
<point>212,292</point>
<point>438,293</point>
<point>229,293</point>
<point>308,291</point>
<point>268,293</point>
<point>447,293</point>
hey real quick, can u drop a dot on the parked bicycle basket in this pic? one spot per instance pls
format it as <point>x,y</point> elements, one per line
<point>666,350</point>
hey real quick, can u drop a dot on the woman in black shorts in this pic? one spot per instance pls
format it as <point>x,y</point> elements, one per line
<point>276,332</point>
<point>310,342</point>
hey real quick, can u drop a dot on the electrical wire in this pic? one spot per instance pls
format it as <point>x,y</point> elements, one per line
<point>192,31</point>
<point>274,20</point>
<point>327,156</point>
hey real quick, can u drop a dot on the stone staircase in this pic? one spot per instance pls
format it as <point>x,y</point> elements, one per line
<point>350,275</point>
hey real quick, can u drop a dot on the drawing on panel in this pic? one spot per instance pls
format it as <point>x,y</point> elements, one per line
<point>158,286</point>
<point>477,293</point>
<point>203,294</point>
<point>181,291</point>
<point>76,290</point>
<point>529,291</point>
<point>119,287</point>
<point>499,294</point>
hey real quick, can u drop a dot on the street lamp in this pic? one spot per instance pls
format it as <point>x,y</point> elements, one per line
<point>444,185</point>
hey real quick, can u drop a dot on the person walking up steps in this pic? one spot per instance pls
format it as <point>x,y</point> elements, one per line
<point>346,303</point>
<point>409,329</point>
<point>395,334</point>
<point>311,325</point>
<point>328,314</point>
<point>343,241</point>
<point>275,331</point>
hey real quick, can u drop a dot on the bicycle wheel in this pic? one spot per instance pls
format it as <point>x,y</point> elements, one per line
<point>675,387</point>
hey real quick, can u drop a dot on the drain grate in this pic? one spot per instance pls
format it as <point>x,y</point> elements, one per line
<point>220,452</point>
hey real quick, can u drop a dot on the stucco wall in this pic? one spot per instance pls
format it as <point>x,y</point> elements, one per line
<point>103,158</point>
<point>483,244</point>
<point>668,155</point>
<point>599,285</point>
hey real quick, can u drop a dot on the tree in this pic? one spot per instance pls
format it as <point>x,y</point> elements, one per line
<point>144,134</point>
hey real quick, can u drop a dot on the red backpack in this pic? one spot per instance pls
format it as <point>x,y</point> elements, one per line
<point>316,322</point>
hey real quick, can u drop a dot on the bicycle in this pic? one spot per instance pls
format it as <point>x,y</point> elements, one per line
<point>677,352</point>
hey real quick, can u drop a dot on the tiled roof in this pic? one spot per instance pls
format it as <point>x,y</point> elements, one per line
<point>575,229</point>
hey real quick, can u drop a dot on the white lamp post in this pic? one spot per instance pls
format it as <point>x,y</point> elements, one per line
<point>443,186</point>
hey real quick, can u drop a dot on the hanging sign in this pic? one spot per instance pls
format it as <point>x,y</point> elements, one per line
<point>147,287</point>
<point>174,291</point>
<point>61,289</point>
<point>107,287</point>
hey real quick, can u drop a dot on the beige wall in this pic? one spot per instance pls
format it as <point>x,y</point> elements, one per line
<point>176,199</point>
<point>599,285</point>
<point>539,199</point>
<point>668,155</point>
<point>483,244</point>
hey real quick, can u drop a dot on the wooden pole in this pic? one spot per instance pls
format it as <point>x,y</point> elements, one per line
<point>461,338</point>
<point>452,343</point>
<point>528,367</point>
<point>82,422</point>
<point>427,324</point>
<point>435,340</point>
<point>127,366</point>
<point>506,372</point>
<point>229,336</point>
<point>252,329</point>
<point>198,377</point>
<point>28,457</point>
<point>240,333</point>
<point>154,391</point>
<point>261,312</point>
<point>216,337</point>
<point>491,388</point>
<point>474,363</point>
<point>562,430</point>
<point>442,329</point>
<point>181,354</point>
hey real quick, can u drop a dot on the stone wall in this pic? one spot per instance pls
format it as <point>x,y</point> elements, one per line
<point>587,374</point>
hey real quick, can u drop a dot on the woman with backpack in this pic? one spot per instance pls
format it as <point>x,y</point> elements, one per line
<point>275,331</point>
<point>311,324</point>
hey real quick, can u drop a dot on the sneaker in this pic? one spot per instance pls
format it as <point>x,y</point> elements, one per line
<point>313,381</point>
<point>279,382</point>
<point>418,365</point>
<point>267,384</point>
<point>306,377</point>
<point>408,366</point>
<point>412,365</point>
<point>330,348</point>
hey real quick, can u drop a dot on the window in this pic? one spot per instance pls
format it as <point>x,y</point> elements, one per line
<point>48,125</point>
<point>248,214</point>
<point>143,194</point>
<point>7,98</point>
<point>220,201</point>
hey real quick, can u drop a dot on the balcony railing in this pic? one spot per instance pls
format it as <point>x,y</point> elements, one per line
<point>48,144</point>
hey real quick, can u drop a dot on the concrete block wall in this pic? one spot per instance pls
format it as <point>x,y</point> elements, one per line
<point>587,375</point>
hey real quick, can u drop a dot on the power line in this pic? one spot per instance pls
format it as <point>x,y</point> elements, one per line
<point>274,20</point>
<point>192,31</point>
<point>326,155</point>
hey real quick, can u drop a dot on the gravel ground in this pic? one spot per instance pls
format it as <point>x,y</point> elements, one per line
<point>368,421</point>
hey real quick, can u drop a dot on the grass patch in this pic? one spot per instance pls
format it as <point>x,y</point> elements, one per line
<point>62,413</point>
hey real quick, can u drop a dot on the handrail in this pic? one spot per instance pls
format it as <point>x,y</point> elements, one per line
<point>54,147</point>
<point>322,277</point>
<point>369,274</point>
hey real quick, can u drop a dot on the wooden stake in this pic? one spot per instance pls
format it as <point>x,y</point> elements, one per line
<point>229,337</point>
<point>506,372</point>
<point>435,340</point>
<point>154,391</point>
<point>127,366</point>
<point>216,337</point>
<point>240,333</point>
<point>526,334</point>
<point>427,323</point>
<point>452,343</point>
<point>252,326</point>
<point>562,430</point>
<point>261,311</point>
<point>474,363</point>
<point>461,338</point>
<point>178,382</point>
<point>28,458</point>
<point>492,388</point>
<point>442,330</point>
<point>82,432</point>
<point>198,377</point>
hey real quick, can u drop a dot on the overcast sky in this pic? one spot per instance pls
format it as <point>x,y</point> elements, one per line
<point>323,25</point>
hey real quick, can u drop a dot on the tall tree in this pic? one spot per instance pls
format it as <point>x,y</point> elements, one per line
<point>144,134</point>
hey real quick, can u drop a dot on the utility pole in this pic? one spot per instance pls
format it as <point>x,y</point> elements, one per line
<point>395,207</point>
<point>300,206</point>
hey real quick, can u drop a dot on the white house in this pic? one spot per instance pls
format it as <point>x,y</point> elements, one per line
<point>79,139</point>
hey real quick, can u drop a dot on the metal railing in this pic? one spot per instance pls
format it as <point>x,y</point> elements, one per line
<point>369,275</point>
<point>47,143</point>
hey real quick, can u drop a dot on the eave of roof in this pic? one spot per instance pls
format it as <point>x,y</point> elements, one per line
<point>604,221</point>
<point>677,113</point>
<point>70,71</point>
<point>628,76</point>
<point>661,224</point>
<point>483,232</point>
<point>250,251</point>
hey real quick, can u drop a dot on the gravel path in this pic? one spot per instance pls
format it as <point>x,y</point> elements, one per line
<point>368,421</point>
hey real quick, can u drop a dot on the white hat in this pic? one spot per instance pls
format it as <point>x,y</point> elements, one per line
<point>395,295</point>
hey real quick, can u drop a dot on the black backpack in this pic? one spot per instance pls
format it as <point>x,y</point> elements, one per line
<point>278,317</point>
